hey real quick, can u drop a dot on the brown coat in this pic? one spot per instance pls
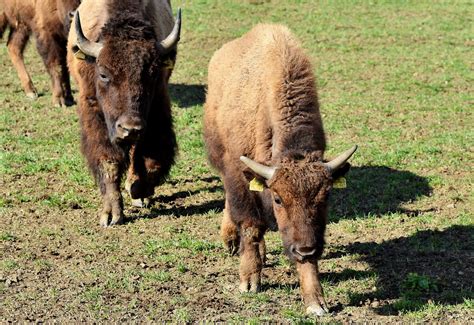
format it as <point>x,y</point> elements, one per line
<point>262,104</point>
<point>49,21</point>
<point>250,86</point>
<point>124,106</point>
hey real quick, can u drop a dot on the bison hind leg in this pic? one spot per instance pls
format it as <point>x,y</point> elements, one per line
<point>230,233</point>
<point>16,44</point>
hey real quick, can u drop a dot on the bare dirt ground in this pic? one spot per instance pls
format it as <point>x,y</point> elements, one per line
<point>394,78</point>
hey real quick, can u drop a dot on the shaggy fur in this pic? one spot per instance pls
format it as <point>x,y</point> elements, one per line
<point>49,21</point>
<point>262,103</point>
<point>138,89</point>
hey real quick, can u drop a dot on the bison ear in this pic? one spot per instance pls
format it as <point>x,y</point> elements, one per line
<point>256,182</point>
<point>340,173</point>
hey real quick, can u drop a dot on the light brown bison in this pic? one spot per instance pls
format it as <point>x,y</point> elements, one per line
<point>262,120</point>
<point>121,53</point>
<point>48,20</point>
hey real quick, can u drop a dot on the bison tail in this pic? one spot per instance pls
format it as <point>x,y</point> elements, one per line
<point>3,23</point>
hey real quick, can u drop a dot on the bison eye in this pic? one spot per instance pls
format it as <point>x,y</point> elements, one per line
<point>103,78</point>
<point>277,199</point>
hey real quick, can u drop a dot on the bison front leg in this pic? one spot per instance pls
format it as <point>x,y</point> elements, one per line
<point>112,204</point>
<point>311,289</point>
<point>250,259</point>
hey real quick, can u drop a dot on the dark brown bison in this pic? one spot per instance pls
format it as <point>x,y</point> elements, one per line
<point>121,53</point>
<point>262,120</point>
<point>48,20</point>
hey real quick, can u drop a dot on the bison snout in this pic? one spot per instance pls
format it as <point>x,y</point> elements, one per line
<point>129,128</point>
<point>302,253</point>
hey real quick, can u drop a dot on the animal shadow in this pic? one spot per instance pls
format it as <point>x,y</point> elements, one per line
<point>187,95</point>
<point>188,211</point>
<point>376,190</point>
<point>175,197</point>
<point>174,203</point>
<point>430,265</point>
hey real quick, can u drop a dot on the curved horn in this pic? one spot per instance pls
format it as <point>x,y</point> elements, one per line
<point>337,162</point>
<point>262,170</point>
<point>87,47</point>
<point>172,39</point>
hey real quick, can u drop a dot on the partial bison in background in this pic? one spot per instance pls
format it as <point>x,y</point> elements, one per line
<point>121,53</point>
<point>262,121</point>
<point>49,21</point>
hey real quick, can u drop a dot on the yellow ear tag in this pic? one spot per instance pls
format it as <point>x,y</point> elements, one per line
<point>256,185</point>
<point>80,55</point>
<point>340,183</point>
<point>168,64</point>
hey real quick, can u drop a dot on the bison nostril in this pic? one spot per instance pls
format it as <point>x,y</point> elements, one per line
<point>293,250</point>
<point>305,251</point>
<point>129,130</point>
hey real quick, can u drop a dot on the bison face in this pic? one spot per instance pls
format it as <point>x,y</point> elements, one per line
<point>126,78</point>
<point>299,192</point>
<point>129,65</point>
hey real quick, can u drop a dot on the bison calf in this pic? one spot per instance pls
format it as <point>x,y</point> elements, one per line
<point>262,121</point>
<point>49,21</point>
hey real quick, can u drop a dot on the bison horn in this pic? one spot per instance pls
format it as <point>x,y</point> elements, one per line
<point>262,170</point>
<point>89,48</point>
<point>339,161</point>
<point>172,39</point>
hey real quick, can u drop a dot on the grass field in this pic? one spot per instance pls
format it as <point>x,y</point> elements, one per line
<point>395,77</point>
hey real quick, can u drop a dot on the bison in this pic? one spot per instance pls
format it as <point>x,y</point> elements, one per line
<point>121,54</point>
<point>262,121</point>
<point>49,21</point>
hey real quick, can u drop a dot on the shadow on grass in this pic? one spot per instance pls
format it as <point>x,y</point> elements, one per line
<point>188,211</point>
<point>331,277</point>
<point>376,190</point>
<point>437,264</point>
<point>183,194</point>
<point>163,205</point>
<point>187,95</point>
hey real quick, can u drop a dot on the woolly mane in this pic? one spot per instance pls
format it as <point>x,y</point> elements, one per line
<point>128,25</point>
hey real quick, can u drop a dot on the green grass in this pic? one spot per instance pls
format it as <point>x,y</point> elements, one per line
<point>394,77</point>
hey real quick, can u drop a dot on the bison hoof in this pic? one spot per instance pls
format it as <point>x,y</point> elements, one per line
<point>104,220</point>
<point>141,203</point>
<point>316,310</point>
<point>59,102</point>
<point>32,95</point>
<point>232,246</point>
<point>249,286</point>
<point>116,220</point>
<point>63,102</point>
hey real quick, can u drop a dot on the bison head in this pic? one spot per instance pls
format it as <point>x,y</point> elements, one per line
<point>131,67</point>
<point>299,191</point>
